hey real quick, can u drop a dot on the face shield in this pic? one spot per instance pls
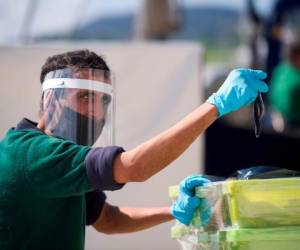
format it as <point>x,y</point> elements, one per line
<point>78,105</point>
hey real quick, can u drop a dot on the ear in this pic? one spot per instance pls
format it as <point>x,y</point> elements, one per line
<point>52,100</point>
<point>47,99</point>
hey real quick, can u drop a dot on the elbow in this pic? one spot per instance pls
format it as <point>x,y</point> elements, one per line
<point>135,174</point>
<point>108,223</point>
<point>137,177</point>
<point>107,231</point>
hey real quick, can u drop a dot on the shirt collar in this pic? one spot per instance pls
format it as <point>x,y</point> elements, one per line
<point>27,124</point>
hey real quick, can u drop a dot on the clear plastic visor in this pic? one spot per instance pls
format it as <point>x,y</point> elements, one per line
<point>78,105</point>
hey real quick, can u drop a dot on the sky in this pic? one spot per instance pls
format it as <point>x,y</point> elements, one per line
<point>63,15</point>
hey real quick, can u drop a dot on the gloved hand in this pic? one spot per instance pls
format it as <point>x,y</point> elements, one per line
<point>240,88</point>
<point>184,207</point>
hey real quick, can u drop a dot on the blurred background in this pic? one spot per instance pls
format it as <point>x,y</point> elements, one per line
<point>168,57</point>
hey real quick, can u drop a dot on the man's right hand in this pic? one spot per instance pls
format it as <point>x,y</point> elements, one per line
<point>240,88</point>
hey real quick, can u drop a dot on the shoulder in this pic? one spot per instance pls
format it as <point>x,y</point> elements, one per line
<point>35,145</point>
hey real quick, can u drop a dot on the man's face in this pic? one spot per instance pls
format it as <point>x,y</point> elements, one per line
<point>89,103</point>
<point>92,104</point>
<point>78,110</point>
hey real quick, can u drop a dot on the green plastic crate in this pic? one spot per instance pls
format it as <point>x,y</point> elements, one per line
<point>258,239</point>
<point>280,238</point>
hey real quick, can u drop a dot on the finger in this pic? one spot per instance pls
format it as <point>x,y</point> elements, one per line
<point>258,74</point>
<point>194,202</point>
<point>195,181</point>
<point>260,86</point>
<point>189,184</point>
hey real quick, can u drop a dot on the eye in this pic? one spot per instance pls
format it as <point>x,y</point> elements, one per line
<point>106,99</point>
<point>86,96</point>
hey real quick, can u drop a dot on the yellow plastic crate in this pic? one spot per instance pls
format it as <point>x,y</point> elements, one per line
<point>263,203</point>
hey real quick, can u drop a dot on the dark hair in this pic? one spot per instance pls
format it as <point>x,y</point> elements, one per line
<point>77,58</point>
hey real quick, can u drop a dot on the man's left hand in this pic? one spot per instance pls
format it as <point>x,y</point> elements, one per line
<point>184,207</point>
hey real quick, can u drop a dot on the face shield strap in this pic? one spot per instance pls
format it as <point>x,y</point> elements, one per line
<point>78,84</point>
<point>79,73</point>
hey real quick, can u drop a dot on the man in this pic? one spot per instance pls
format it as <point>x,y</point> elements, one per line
<point>52,180</point>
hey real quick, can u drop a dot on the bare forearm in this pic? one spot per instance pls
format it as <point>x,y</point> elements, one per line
<point>152,156</point>
<point>126,220</point>
<point>136,219</point>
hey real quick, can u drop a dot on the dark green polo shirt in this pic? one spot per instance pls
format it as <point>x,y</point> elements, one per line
<point>43,182</point>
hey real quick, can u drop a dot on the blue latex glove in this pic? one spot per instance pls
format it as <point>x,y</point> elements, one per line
<point>240,88</point>
<point>184,207</point>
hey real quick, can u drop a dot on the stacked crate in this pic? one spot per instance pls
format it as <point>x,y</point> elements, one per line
<point>244,215</point>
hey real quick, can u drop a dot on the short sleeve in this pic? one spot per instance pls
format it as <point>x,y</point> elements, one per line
<point>100,166</point>
<point>94,203</point>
